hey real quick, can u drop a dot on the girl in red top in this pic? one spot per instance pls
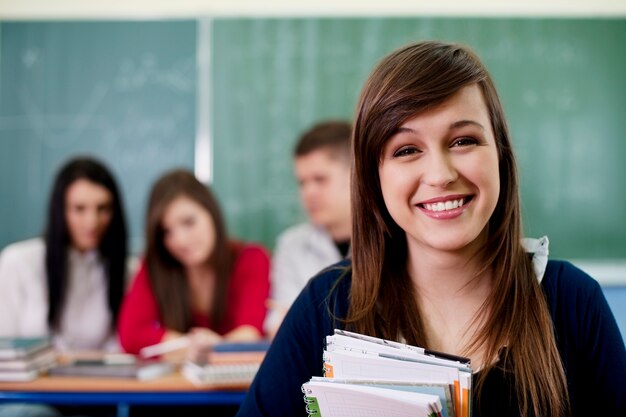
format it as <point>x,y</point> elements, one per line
<point>194,281</point>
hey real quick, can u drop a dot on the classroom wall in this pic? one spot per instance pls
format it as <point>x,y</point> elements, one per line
<point>231,95</point>
<point>73,9</point>
<point>272,78</point>
<point>122,91</point>
<point>200,102</point>
<point>616,297</point>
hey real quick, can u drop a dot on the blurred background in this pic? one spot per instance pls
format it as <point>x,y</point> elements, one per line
<point>225,88</point>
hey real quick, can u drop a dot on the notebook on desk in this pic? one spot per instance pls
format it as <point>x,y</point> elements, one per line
<point>141,369</point>
<point>237,353</point>
<point>227,364</point>
<point>24,359</point>
<point>22,347</point>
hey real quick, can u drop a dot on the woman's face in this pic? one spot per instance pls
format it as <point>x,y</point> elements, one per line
<point>188,232</point>
<point>439,174</point>
<point>88,212</point>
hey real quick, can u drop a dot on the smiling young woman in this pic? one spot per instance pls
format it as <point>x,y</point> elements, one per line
<point>439,174</point>
<point>438,259</point>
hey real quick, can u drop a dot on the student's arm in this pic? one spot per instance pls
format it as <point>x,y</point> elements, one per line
<point>589,340</point>
<point>10,295</point>
<point>139,321</point>
<point>604,355</point>
<point>287,276</point>
<point>286,283</point>
<point>248,292</point>
<point>243,333</point>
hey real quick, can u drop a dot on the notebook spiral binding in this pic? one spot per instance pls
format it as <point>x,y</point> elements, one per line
<point>310,409</point>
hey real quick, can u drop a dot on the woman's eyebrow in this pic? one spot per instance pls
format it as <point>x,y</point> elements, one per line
<point>463,123</point>
<point>454,125</point>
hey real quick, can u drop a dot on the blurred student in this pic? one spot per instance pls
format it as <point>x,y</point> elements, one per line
<point>194,280</point>
<point>438,259</point>
<point>322,169</point>
<point>69,284</point>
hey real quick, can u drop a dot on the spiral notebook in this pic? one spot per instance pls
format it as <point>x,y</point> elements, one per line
<point>393,378</point>
<point>228,365</point>
<point>328,399</point>
<point>227,375</point>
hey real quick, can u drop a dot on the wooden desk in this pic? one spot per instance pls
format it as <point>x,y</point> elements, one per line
<point>168,390</point>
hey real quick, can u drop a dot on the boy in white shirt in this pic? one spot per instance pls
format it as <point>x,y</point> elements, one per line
<point>322,168</point>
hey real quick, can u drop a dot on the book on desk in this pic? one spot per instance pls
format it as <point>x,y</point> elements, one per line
<point>227,364</point>
<point>22,347</point>
<point>24,359</point>
<point>140,369</point>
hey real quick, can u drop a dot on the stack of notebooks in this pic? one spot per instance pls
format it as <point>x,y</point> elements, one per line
<point>24,359</point>
<point>368,376</point>
<point>115,366</point>
<point>227,364</point>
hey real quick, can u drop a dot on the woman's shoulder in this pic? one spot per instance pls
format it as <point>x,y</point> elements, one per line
<point>246,251</point>
<point>332,281</point>
<point>240,247</point>
<point>568,286</point>
<point>301,234</point>
<point>563,274</point>
<point>23,263</point>
<point>30,250</point>
<point>337,270</point>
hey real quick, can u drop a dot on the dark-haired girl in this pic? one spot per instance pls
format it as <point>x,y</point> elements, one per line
<point>70,283</point>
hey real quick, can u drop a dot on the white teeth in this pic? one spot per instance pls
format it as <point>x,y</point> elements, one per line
<point>441,206</point>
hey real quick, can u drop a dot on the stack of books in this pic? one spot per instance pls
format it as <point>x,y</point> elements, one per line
<point>364,375</point>
<point>227,364</point>
<point>24,359</point>
<point>115,366</point>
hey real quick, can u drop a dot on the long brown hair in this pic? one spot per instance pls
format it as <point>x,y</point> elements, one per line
<point>166,273</point>
<point>410,80</point>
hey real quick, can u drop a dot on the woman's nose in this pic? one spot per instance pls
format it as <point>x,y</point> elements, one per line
<point>439,170</point>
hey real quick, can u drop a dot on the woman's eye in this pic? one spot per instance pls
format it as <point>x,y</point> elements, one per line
<point>407,150</point>
<point>464,141</point>
<point>78,209</point>
<point>105,209</point>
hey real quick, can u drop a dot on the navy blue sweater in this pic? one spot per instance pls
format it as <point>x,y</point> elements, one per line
<point>588,339</point>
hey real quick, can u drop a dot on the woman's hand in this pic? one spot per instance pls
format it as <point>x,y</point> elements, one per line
<point>174,356</point>
<point>243,333</point>
<point>202,340</point>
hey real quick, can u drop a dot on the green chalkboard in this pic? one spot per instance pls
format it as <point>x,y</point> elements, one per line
<point>127,91</point>
<point>122,91</point>
<point>561,80</point>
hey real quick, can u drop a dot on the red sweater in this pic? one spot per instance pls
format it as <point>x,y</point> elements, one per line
<point>140,321</point>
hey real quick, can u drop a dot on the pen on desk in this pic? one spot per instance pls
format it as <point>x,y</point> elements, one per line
<point>164,347</point>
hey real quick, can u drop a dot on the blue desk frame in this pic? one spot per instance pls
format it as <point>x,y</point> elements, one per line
<point>123,400</point>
